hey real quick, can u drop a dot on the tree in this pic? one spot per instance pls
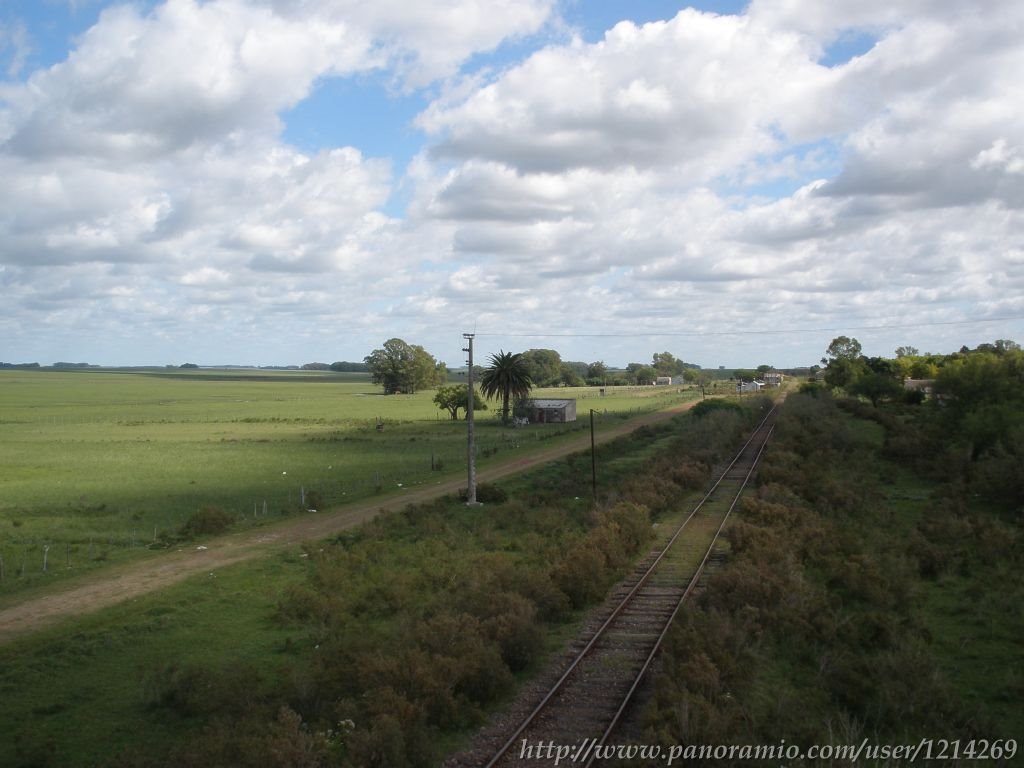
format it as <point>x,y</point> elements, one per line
<point>402,367</point>
<point>455,398</point>
<point>923,369</point>
<point>543,366</point>
<point>666,364</point>
<point>906,352</point>
<point>876,385</point>
<point>843,362</point>
<point>577,367</point>
<point>508,376</point>
<point>570,376</point>
<point>645,374</point>
<point>842,348</point>
<point>343,366</point>
<point>597,372</point>
<point>843,372</point>
<point>982,398</point>
<point>698,376</point>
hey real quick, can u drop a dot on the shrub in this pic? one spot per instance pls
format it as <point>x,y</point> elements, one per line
<point>486,493</point>
<point>580,575</point>
<point>478,673</point>
<point>634,524</point>
<point>189,690</point>
<point>207,521</point>
<point>704,407</point>
<point>512,624</point>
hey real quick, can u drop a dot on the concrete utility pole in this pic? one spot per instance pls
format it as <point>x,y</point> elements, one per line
<point>471,449</point>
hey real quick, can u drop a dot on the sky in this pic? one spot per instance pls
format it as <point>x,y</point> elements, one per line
<point>276,182</point>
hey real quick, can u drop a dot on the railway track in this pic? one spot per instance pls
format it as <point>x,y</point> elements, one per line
<point>581,710</point>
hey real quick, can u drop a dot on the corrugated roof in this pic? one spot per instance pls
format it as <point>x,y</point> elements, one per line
<point>552,403</point>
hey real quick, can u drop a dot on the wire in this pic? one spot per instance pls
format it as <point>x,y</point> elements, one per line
<point>752,331</point>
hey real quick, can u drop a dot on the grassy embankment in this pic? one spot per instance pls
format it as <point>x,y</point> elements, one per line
<point>103,467</point>
<point>216,670</point>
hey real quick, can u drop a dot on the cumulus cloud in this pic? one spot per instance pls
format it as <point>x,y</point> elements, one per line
<point>683,175</point>
<point>699,93</point>
<point>145,176</point>
<point>624,162</point>
<point>15,46</point>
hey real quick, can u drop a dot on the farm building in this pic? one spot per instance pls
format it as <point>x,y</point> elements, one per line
<point>919,385</point>
<point>551,411</point>
<point>749,386</point>
<point>774,378</point>
<point>663,381</point>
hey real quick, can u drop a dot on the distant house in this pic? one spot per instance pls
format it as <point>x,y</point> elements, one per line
<point>557,411</point>
<point>663,381</point>
<point>924,386</point>
<point>774,378</point>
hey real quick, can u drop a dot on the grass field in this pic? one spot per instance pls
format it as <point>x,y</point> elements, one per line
<point>103,466</point>
<point>79,693</point>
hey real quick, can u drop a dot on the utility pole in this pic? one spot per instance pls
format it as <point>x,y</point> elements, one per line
<point>593,460</point>
<point>471,448</point>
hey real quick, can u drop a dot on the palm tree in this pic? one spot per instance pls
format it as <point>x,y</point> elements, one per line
<point>507,377</point>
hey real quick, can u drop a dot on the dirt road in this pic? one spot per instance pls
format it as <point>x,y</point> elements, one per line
<point>120,583</point>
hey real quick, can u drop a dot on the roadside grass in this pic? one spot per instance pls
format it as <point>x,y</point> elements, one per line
<point>975,628</point>
<point>976,633</point>
<point>102,467</point>
<point>972,614</point>
<point>79,694</point>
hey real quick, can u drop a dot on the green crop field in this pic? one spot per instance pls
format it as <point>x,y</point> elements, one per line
<point>103,466</point>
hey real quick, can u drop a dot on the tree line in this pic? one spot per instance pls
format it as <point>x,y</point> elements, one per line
<point>971,403</point>
<point>404,368</point>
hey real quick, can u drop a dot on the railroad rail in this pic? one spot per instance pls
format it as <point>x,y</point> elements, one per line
<point>583,707</point>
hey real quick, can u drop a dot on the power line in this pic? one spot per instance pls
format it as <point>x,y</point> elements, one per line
<point>753,331</point>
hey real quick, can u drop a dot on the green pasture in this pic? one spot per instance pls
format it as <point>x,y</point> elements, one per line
<point>79,693</point>
<point>102,466</point>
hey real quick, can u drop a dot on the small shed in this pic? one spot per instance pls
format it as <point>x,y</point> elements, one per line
<point>924,386</point>
<point>749,386</point>
<point>556,411</point>
<point>663,381</point>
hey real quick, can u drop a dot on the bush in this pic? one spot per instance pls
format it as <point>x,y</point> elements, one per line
<point>207,521</point>
<point>704,407</point>
<point>486,493</point>
<point>189,690</point>
<point>580,575</point>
